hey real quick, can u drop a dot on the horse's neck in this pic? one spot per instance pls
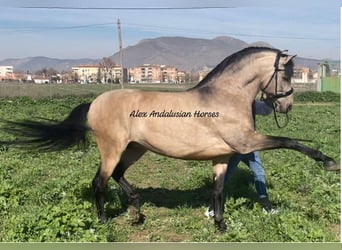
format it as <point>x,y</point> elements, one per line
<point>244,80</point>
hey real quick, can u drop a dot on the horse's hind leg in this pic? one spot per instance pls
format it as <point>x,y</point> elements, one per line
<point>99,185</point>
<point>110,156</point>
<point>132,153</point>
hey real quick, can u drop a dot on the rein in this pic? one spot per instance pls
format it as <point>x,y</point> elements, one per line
<point>275,113</point>
<point>276,118</point>
<point>277,95</point>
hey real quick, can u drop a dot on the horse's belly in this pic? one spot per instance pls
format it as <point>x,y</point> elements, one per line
<point>205,149</point>
<point>197,154</point>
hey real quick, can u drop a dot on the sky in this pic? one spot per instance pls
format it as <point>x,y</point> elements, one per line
<point>69,29</point>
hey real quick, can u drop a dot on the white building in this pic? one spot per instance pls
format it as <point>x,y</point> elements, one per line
<point>97,73</point>
<point>303,75</point>
<point>6,71</point>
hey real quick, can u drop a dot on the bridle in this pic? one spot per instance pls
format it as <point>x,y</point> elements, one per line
<point>276,95</point>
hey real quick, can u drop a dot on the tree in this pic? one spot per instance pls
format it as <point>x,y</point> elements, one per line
<point>46,72</point>
<point>106,66</point>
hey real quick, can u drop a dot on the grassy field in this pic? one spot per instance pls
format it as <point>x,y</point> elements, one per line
<point>48,196</point>
<point>58,90</point>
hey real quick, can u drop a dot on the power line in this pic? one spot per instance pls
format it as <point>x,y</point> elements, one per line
<point>168,28</point>
<point>126,8</point>
<point>52,28</point>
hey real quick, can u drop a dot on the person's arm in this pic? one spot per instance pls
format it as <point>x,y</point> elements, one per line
<point>261,108</point>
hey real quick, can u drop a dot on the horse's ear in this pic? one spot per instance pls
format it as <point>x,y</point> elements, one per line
<point>284,52</point>
<point>289,59</point>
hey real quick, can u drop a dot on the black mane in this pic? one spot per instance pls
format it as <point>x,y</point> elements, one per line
<point>232,59</point>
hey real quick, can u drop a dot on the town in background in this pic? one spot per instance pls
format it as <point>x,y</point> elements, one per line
<point>107,72</point>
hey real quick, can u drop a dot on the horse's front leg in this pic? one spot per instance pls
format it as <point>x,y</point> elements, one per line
<point>274,142</point>
<point>220,169</point>
<point>254,141</point>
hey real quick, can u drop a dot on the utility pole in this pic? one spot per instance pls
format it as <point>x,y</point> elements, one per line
<point>121,54</point>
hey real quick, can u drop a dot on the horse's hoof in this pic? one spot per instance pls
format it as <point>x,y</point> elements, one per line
<point>221,226</point>
<point>135,216</point>
<point>139,220</point>
<point>103,219</point>
<point>331,165</point>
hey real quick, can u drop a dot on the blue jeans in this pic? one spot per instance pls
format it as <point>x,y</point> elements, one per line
<point>252,160</point>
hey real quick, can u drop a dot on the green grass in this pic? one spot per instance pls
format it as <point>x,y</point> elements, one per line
<point>58,90</point>
<point>48,196</point>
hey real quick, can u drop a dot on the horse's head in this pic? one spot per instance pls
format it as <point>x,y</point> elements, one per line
<point>278,88</point>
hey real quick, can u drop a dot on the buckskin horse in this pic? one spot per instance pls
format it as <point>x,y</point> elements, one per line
<point>210,121</point>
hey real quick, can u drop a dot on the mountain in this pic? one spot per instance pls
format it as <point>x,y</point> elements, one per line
<point>190,54</point>
<point>33,64</point>
<point>313,63</point>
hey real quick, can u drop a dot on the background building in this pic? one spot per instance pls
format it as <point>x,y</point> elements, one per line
<point>303,75</point>
<point>98,74</point>
<point>152,73</point>
<point>6,73</point>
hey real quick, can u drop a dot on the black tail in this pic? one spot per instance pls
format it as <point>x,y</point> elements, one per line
<point>50,136</point>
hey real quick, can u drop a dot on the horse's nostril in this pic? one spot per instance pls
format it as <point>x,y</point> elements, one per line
<point>289,108</point>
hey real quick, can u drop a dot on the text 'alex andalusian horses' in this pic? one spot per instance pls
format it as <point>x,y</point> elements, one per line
<point>210,121</point>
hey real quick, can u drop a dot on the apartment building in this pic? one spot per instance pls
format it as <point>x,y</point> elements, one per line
<point>6,72</point>
<point>152,73</point>
<point>146,73</point>
<point>96,73</point>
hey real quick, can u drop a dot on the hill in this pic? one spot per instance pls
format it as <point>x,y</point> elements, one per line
<point>33,64</point>
<point>190,54</point>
